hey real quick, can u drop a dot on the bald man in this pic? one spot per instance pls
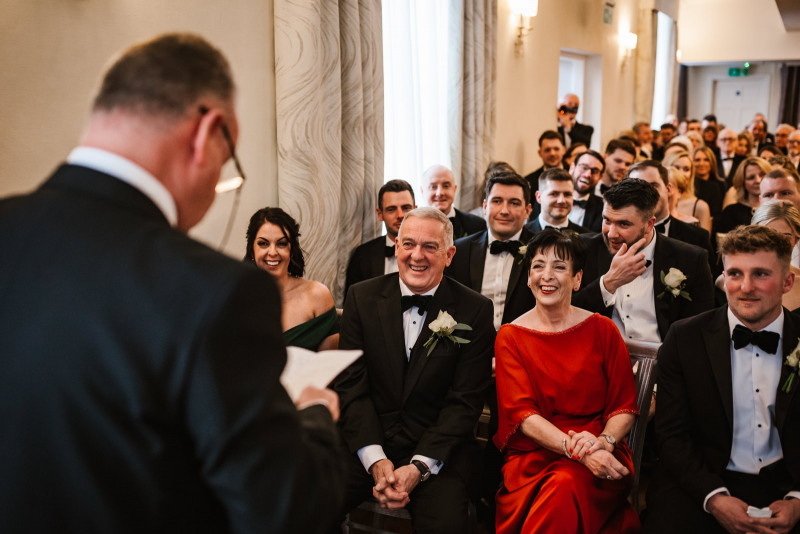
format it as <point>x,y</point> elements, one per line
<point>439,191</point>
<point>728,160</point>
<point>568,126</point>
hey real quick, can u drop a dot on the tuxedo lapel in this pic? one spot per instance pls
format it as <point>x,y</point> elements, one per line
<point>662,305</point>
<point>378,259</point>
<point>783,400</point>
<point>516,266</point>
<point>442,300</point>
<point>390,315</point>
<point>716,339</point>
<point>477,259</point>
<point>458,226</point>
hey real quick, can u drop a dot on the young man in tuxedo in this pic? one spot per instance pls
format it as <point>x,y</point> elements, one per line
<point>624,266</point>
<point>780,184</point>
<point>411,402</point>
<point>555,198</point>
<point>140,369</point>
<point>728,418</point>
<point>620,155</point>
<point>587,208</point>
<point>551,150</point>
<point>439,191</point>
<point>377,256</point>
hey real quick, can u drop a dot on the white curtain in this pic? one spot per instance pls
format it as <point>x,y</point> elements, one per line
<point>329,94</point>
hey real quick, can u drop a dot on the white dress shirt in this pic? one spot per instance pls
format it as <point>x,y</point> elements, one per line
<point>390,263</point>
<point>755,377</point>
<point>412,327</point>
<point>129,172</point>
<point>666,225</point>
<point>578,213</point>
<point>634,303</point>
<point>496,272</point>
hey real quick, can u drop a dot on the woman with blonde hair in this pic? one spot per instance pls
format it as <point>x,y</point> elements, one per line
<point>707,184</point>
<point>688,204</point>
<point>784,218</point>
<point>745,192</point>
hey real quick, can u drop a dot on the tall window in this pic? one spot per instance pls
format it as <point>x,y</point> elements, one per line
<point>665,69</point>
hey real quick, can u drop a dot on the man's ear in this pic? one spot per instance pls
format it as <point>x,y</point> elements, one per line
<point>206,135</point>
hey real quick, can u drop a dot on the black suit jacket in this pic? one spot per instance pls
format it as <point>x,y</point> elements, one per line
<point>139,378</point>
<point>737,159</point>
<point>427,406</point>
<point>593,216</point>
<point>465,224</point>
<point>534,227</point>
<point>694,235</point>
<point>467,268</point>
<point>694,419</point>
<point>580,133</point>
<point>367,261</point>
<point>691,260</point>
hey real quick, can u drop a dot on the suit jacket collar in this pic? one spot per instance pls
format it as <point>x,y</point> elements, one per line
<point>661,260</point>
<point>390,316</point>
<point>783,400</point>
<point>377,260</point>
<point>716,338</point>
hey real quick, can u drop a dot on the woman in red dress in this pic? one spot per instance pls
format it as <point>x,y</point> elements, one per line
<point>566,399</point>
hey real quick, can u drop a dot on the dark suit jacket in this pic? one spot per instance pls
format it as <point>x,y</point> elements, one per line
<point>695,403</point>
<point>367,261</point>
<point>580,133</point>
<point>427,406</point>
<point>593,218</point>
<point>139,378</point>
<point>467,268</point>
<point>694,235</point>
<point>465,224</point>
<point>534,227</point>
<point>691,260</point>
<point>737,159</point>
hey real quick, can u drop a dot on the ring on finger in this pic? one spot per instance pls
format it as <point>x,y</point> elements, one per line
<point>591,443</point>
<point>608,477</point>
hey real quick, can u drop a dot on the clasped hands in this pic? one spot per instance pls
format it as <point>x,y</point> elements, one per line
<point>596,454</point>
<point>731,513</point>
<point>393,486</point>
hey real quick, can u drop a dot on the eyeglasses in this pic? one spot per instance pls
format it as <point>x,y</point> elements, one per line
<point>793,141</point>
<point>582,167</point>
<point>727,139</point>
<point>229,184</point>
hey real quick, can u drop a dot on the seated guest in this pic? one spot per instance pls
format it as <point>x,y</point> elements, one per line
<point>308,316</point>
<point>689,204</point>
<point>727,427</point>
<point>551,150</point>
<point>696,138</point>
<point>747,188</point>
<point>678,183</point>
<point>619,155</point>
<point>728,159</point>
<point>736,191</point>
<point>439,190</point>
<point>782,134</point>
<point>567,400</point>
<point>587,208</point>
<point>377,257</point>
<point>744,147</point>
<point>626,265</point>
<point>780,184</point>
<point>793,148</point>
<point>768,151</point>
<point>555,198</point>
<point>572,152</point>
<point>410,404</point>
<point>784,218</point>
<point>707,185</point>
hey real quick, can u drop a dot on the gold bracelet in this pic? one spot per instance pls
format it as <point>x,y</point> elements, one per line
<point>564,446</point>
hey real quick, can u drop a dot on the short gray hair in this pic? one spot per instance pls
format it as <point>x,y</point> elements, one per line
<point>435,214</point>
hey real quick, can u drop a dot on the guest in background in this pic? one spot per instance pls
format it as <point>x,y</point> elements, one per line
<point>782,136</point>
<point>587,208</point>
<point>308,317</point>
<point>782,162</point>
<point>707,185</point>
<point>696,138</point>
<point>793,147</point>
<point>688,204</point>
<point>679,184</point>
<point>619,156</point>
<point>555,198</point>
<point>728,159</point>
<point>768,150</point>
<point>551,150</point>
<point>572,152</point>
<point>566,400</point>
<point>439,191</point>
<point>569,128</point>
<point>784,218</point>
<point>746,188</point>
<point>744,147</point>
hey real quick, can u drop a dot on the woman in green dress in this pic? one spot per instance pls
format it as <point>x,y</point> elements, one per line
<point>308,314</point>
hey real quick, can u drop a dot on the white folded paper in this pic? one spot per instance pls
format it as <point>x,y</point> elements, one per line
<point>318,369</point>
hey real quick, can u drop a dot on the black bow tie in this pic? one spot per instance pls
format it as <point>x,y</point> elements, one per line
<point>604,188</point>
<point>766,341</point>
<point>389,251</point>
<point>422,302</point>
<point>580,203</point>
<point>662,227</point>
<point>505,246</point>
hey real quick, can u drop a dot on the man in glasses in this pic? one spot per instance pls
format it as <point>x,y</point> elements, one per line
<point>793,147</point>
<point>568,126</point>
<point>728,160</point>
<point>587,208</point>
<point>140,369</point>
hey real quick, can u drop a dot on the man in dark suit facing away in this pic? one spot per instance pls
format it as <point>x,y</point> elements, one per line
<point>411,402</point>
<point>140,369</point>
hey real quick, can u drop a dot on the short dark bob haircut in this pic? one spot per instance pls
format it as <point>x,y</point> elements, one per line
<point>291,231</point>
<point>566,244</point>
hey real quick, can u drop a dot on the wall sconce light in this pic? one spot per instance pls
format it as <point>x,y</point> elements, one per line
<point>524,10</point>
<point>628,41</point>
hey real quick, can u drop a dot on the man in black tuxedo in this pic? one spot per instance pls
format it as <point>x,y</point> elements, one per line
<point>728,424</point>
<point>555,198</point>
<point>619,156</point>
<point>411,402</point>
<point>140,369</point>
<point>439,191</point>
<point>624,267</point>
<point>587,208</point>
<point>728,160</point>
<point>569,128</point>
<point>657,175</point>
<point>376,257</point>
<point>551,150</point>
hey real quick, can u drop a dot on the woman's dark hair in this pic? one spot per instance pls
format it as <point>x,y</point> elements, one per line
<point>291,231</point>
<point>567,245</point>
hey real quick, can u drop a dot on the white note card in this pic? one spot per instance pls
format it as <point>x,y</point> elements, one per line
<point>318,369</point>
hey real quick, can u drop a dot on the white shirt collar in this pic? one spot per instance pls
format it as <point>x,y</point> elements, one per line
<point>650,249</point>
<point>452,212</point>
<point>389,241</point>
<point>405,292</point>
<point>129,172</point>
<point>544,224</point>
<point>775,326</point>
<point>515,237</point>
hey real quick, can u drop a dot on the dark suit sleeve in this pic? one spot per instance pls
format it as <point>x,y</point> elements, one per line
<point>273,469</point>
<point>681,456</point>
<point>464,400</point>
<point>353,273</point>
<point>590,298</point>
<point>700,287</point>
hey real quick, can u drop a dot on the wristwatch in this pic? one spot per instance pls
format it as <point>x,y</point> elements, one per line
<point>610,439</point>
<point>424,472</point>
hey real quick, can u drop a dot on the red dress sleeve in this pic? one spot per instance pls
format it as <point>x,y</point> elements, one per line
<point>621,393</point>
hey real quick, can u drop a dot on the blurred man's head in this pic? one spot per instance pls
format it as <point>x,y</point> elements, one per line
<point>551,149</point>
<point>727,141</point>
<point>656,175</point>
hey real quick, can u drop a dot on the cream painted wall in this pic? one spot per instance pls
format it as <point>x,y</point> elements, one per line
<point>527,86</point>
<point>53,53</point>
<point>734,30</point>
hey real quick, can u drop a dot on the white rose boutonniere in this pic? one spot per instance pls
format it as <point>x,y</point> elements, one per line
<point>443,327</point>
<point>793,362</point>
<point>523,249</point>
<point>674,282</point>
